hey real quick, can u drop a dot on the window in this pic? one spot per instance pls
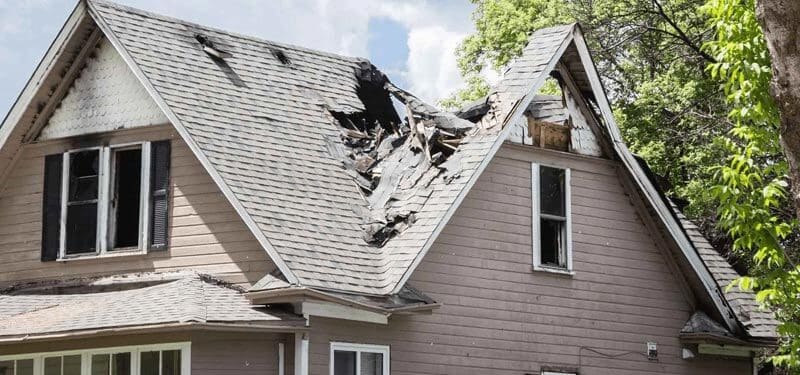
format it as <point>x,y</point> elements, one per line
<point>359,359</point>
<point>552,235</point>
<point>162,359</point>
<point>107,199</point>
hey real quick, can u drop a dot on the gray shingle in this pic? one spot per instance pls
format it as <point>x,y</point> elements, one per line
<point>262,125</point>
<point>182,298</point>
<point>758,323</point>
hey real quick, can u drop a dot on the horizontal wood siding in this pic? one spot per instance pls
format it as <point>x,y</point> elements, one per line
<point>206,234</point>
<point>500,317</point>
<point>236,354</point>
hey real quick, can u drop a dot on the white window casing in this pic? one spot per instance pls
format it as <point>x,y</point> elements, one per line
<point>358,349</point>
<point>536,216</point>
<point>86,356</point>
<point>105,217</point>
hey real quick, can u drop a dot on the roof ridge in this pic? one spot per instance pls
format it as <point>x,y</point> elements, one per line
<point>234,34</point>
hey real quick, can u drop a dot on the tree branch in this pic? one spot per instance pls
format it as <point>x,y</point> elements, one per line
<point>680,34</point>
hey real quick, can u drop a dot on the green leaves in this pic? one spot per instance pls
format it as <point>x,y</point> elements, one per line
<point>751,188</point>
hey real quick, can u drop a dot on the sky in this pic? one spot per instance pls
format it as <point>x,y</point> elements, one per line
<point>412,41</point>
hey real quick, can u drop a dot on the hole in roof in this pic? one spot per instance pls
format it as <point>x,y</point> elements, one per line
<point>281,56</point>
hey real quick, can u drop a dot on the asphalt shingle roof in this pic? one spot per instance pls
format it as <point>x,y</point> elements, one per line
<point>188,298</point>
<point>262,125</point>
<point>757,322</point>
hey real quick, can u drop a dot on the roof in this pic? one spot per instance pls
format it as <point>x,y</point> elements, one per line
<point>757,322</point>
<point>261,125</point>
<point>135,301</point>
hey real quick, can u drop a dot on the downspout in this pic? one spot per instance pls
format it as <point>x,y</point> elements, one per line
<point>300,354</point>
<point>281,359</point>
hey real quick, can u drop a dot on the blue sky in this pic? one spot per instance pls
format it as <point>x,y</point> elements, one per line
<point>412,41</point>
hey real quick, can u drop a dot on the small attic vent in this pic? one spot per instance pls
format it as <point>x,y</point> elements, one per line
<point>281,56</point>
<point>208,47</point>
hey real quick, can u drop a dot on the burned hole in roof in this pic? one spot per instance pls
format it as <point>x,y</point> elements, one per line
<point>280,56</point>
<point>218,57</point>
<point>210,49</point>
<point>394,162</point>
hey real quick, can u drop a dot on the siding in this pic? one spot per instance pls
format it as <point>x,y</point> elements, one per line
<point>205,232</point>
<point>500,317</point>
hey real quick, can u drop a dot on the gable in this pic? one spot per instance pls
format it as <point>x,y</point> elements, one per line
<point>105,96</point>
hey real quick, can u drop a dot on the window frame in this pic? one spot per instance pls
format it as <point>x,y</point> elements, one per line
<point>106,174</point>
<point>38,358</point>
<point>536,217</point>
<point>358,349</point>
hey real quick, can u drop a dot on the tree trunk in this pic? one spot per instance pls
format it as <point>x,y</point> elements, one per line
<point>780,20</point>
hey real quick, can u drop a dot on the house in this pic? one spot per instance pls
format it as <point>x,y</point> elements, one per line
<point>176,199</point>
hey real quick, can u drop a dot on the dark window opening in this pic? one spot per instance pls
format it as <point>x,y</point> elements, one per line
<point>81,226</point>
<point>553,242</point>
<point>344,362</point>
<point>126,198</point>
<point>553,217</point>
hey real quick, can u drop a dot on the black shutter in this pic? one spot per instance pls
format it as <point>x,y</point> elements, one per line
<point>159,194</point>
<point>51,207</point>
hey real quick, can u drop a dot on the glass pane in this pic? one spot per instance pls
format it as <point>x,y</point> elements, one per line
<point>171,362</point>
<point>81,228</point>
<point>344,362</point>
<point>83,175</point>
<point>127,190</point>
<point>552,191</point>
<point>6,367</point>
<point>148,363</point>
<point>52,366</point>
<point>101,364</point>
<point>121,364</point>
<point>72,365</point>
<point>371,363</point>
<point>24,367</point>
<point>552,238</point>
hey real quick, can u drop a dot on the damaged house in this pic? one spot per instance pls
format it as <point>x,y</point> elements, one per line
<point>176,199</point>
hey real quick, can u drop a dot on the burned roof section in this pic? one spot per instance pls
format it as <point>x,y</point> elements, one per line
<point>393,162</point>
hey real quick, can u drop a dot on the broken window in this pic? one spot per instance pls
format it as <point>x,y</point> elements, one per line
<point>358,359</point>
<point>108,204</point>
<point>82,198</point>
<point>551,218</point>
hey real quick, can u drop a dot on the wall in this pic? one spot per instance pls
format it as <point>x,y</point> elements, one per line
<point>500,317</point>
<point>206,234</point>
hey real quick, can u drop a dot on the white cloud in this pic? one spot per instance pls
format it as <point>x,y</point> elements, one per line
<point>432,69</point>
<point>341,26</point>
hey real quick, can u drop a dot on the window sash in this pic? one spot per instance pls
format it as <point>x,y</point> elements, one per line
<point>536,216</point>
<point>359,349</point>
<point>104,241</point>
<point>86,356</point>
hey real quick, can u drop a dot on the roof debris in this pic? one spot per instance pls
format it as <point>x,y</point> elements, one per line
<point>208,47</point>
<point>394,162</point>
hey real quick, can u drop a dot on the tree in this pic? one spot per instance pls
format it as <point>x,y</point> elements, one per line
<point>650,57</point>
<point>780,20</point>
<point>752,186</point>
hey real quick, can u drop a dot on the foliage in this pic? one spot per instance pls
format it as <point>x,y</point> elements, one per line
<point>752,188</point>
<point>648,53</point>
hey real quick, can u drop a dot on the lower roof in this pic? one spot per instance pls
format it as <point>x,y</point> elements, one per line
<point>128,303</point>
